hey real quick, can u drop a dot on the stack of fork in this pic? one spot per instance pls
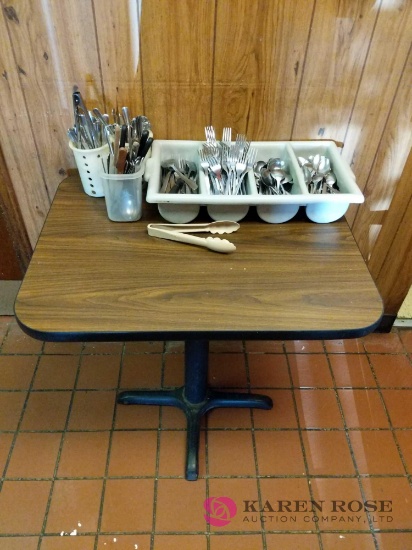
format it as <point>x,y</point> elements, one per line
<point>225,163</point>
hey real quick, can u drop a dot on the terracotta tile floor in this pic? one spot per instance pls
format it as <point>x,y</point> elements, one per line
<point>330,467</point>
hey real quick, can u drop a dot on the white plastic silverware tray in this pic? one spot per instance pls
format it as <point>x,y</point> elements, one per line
<point>320,208</point>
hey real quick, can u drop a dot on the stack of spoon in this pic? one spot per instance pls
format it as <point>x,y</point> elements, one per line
<point>272,177</point>
<point>318,174</point>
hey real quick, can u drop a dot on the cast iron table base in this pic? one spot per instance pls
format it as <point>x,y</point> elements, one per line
<point>195,399</point>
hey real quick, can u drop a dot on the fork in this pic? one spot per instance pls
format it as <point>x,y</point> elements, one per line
<point>210,176</point>
<point>204,165</point>
<point>242,167</point>
<point>210,135</point>
<point>241,140</point>
<point>231,160</point>
<point>227,137</point>
<point>216,168</point>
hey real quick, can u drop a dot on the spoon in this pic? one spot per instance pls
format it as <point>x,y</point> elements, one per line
<point>330,179</point>
<point>258,166</point>
<point>323,166</point>
<point>276,163</point>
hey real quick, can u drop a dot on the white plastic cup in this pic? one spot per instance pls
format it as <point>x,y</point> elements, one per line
<point>90,166</point>
<point>123,196</point>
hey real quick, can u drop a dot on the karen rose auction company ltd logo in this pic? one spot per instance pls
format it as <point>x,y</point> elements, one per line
<point>219,510</point>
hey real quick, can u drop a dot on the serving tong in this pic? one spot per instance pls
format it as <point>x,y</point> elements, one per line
<point>179,232</point>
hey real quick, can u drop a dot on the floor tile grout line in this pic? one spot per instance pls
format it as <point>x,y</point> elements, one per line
<point>16,432</point>
<point>240,476</point>
<point>5,336</point>
<point>353,457</point>
<point>392,429</point>
<point>290,532</point>
<point>270,388</point>
<point>149,353</point>
<point>208,477</point>
<point>302,445</point>
<point>255,455</point>
<point>219,429</point>
<point>158,444</point>
<point>207,472</point>
<point>108,456</point>
<point>56,466</point>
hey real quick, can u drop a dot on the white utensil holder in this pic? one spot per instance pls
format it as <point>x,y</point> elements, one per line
<point>90,165</point>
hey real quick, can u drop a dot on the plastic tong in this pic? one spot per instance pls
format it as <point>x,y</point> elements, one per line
<point>179,232</point>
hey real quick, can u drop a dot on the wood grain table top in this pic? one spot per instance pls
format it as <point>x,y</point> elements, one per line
<point>93,279</point>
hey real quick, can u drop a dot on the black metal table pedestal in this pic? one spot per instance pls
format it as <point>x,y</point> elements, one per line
<point>195,399</point>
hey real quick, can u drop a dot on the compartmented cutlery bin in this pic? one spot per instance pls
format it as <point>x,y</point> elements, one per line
<point>320,207</point>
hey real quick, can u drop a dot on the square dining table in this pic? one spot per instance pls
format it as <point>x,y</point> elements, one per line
<point>91,279</point>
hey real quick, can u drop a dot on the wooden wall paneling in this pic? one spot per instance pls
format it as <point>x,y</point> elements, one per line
<point>395,218</point>
<point>10,269</point>
<point>14,241</point>
<point>391,261</point>
<point>118,32</point>
<point>17,138</point>
<point>55,48</point>
<point>382,72</point>
<point>386,176</point>
<point>395,278</point>
<point>260,52</point>
<point>339,41</point>
<point>177,62</point>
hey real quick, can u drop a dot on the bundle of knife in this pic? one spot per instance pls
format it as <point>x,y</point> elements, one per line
<point>129,139</point>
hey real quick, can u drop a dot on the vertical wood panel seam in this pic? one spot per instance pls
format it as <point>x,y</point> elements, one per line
<point>396,233</point>
<point>11,212</point>
<point>25,105</point>
<point>139,23</point>
<point>212,84</point>
<point>303,72</point>
<point>358,207</point>
<point>384,131</point>
<point>394,236</point>
<point>362,73</point>
<point>389,298</point>
<point>98,56</point>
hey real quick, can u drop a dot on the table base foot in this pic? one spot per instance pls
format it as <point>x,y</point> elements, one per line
<point>194,412</point>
